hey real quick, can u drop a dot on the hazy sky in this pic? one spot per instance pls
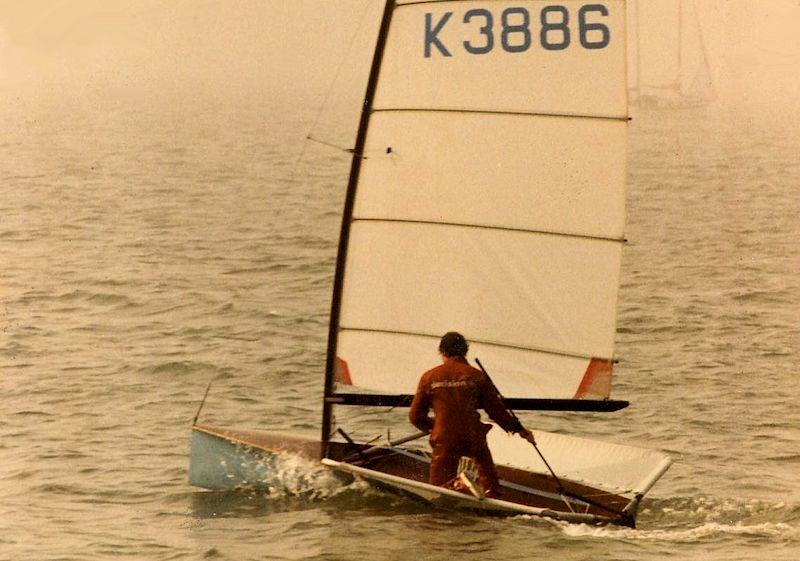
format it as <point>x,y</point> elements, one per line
<point>281,48</point>
<point>754,49</point>
<point>214,47</point>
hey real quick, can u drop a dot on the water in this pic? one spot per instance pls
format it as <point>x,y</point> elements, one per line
<point>148,248</point>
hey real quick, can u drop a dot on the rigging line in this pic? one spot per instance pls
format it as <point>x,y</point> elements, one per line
<point>341,65</point>
<point>362,154</point>
<point>402,402</point>
<point>331,144</point>
<point>623,118</point>
<point>561,489</point>
<point>481,342</point>
<point>328,93</point>
<point>500,228</point>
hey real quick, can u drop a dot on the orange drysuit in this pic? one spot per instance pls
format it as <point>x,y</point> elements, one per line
<point>455,390</point>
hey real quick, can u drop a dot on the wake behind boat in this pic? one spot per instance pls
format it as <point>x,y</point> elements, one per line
<point>487,194</point>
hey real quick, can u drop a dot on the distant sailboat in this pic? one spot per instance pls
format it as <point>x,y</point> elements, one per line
<point>684,81</point>
<point>486,194</point>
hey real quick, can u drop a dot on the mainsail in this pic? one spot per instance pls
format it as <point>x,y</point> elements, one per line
<point>487,196</point>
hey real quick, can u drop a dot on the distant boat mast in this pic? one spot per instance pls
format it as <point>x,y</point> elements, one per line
<point>682,89</point>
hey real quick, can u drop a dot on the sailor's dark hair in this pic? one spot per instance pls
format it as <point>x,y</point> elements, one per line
<point>453,344</point>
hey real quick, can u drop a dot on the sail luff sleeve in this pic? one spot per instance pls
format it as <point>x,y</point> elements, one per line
<point>339,276</point>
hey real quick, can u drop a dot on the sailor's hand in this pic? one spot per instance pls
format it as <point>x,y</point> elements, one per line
<point>527,435</point>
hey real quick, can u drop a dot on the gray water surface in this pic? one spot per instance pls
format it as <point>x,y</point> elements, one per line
<point>148,249</point>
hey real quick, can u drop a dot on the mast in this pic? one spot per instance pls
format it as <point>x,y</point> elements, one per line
<point>355,168</point>
<point>638,89</point>
<point>679,77</point>
<point>709,95</point>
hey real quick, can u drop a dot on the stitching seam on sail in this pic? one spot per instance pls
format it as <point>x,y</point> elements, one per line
<point>499,228</point>
<point>479,341</point>
<point>418,2</point>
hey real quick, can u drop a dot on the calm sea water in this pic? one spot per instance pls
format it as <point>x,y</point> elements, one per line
<point>147,249</point>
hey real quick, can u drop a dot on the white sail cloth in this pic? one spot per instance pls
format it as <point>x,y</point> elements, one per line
<point>566,78</point>
<point>491,199</point>
<point>625,470</point>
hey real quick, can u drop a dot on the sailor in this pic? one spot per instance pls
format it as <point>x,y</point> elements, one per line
<point>455,390</point>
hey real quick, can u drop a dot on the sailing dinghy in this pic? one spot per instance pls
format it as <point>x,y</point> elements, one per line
<point>486,195</point>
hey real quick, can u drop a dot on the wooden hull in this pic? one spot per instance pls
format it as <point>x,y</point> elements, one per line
<point>229,459</point>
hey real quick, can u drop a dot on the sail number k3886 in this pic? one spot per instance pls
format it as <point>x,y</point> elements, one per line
<point>512,32</point>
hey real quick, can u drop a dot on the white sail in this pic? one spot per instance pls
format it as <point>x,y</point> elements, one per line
<point>491,197</point>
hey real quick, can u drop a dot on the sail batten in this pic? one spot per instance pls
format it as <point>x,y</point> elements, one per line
<point>491,227</point>
<point>434,338</point>
<point>624,118</point>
